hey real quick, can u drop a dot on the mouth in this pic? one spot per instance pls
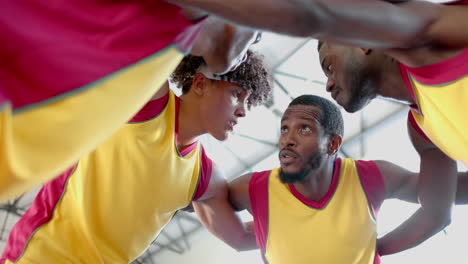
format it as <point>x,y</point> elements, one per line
<point>287,157</point>
<point>334,94</point>
<point>231,125</point>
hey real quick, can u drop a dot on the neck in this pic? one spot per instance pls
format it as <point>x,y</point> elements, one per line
<point>318,182</point>
<point>189,122</point>
<point>391,83</point>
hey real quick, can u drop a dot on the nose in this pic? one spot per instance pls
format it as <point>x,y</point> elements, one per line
<point>330,84</point>
<point>287,140</point>
<point>240,111</point>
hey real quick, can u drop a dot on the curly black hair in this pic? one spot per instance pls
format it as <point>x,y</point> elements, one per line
<point>251,75</point>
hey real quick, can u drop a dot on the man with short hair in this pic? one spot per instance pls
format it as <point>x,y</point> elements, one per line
<point>430,77</point>
<point>318,208</point>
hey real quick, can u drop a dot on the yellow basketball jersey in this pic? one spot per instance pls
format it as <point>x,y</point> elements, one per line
<point>342,231</point>
<point>85,71</point>
<point>441,94</point>
<point>119,197</point>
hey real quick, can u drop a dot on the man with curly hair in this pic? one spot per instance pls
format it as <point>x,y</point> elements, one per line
<point>113,203</point>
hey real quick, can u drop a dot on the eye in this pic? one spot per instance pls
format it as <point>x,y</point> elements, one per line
<point>284,129</point>
<point>237,93</point>
<point>330,69</point>
<point>306,128</point>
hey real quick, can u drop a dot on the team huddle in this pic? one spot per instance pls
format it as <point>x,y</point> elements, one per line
<point>86,112</point>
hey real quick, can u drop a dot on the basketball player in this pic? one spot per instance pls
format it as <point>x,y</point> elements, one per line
<point>430,77</point>
<point>110,206</point>
<point>318,208</point>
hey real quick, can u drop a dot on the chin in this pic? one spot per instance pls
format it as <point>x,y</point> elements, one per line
<point>353,108</point>
<point>290,170</point>
<point>222,136</point>
<point>292,176</point>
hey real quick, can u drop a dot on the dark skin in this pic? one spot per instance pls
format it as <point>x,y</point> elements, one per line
<point>436,192</point>
<point>443,40</point>
<point>357,75</point>
<point>366,23</point>
<point>301,136</point>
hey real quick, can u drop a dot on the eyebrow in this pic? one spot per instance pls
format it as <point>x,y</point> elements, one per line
<point>313,120</point>
<point>321,64</point>
<point>320,44</point>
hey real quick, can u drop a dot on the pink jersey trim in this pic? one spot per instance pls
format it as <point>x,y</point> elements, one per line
<point>416,127</point>
<point>457,2</point>
<point>151,110</point>
<point>372,183</point>
<point>185,151</point>
<point>61,46</point>
<point>205,175</point>
<point>258,192</point>
<point>40,212</point>
<point>409,86</point>
<point>443,72</point>
<point>327,197</point>
<point>377,257</point>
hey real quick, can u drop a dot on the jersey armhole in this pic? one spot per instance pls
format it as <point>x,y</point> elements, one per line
<point>205,175</point>
<point>415,125</point>
<point>372,183</point>
<point>258,192</point>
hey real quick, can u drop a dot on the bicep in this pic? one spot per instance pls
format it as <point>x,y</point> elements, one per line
<point>399,182</point>
<point>437,181</point>
<point>446,30</point>
<point>330,20</point>
<point>217,214</point>
<point>442,40</point>
<point>239,193</point>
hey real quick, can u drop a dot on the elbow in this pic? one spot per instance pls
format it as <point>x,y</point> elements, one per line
<point>243,242</point>
<point>440,220</point>
<point>239,248</point>
<point>309,19</point>
<point>444,222</point>
<point>239,245</point>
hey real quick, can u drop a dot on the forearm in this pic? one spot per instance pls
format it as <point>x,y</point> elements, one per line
<point>246,242</point>
<point>462,188</point>
<point>218,216</point>
<point>229,229</point>
<point>435,189</point>
<point>418,228</point>
<point>365,23</point>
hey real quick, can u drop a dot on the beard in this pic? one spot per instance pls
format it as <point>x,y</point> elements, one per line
<point>312,164</point>
<point>362,87</point>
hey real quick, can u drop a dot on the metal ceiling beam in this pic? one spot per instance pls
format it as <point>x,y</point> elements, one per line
<point>290,54</point>
<point>265,142</point>
<point>372,128</point>
<point>150,253</point>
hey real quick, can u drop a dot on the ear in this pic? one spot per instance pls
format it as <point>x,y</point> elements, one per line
<point>199,84</point>
<point>366,51</point>
<point>334,144</point>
